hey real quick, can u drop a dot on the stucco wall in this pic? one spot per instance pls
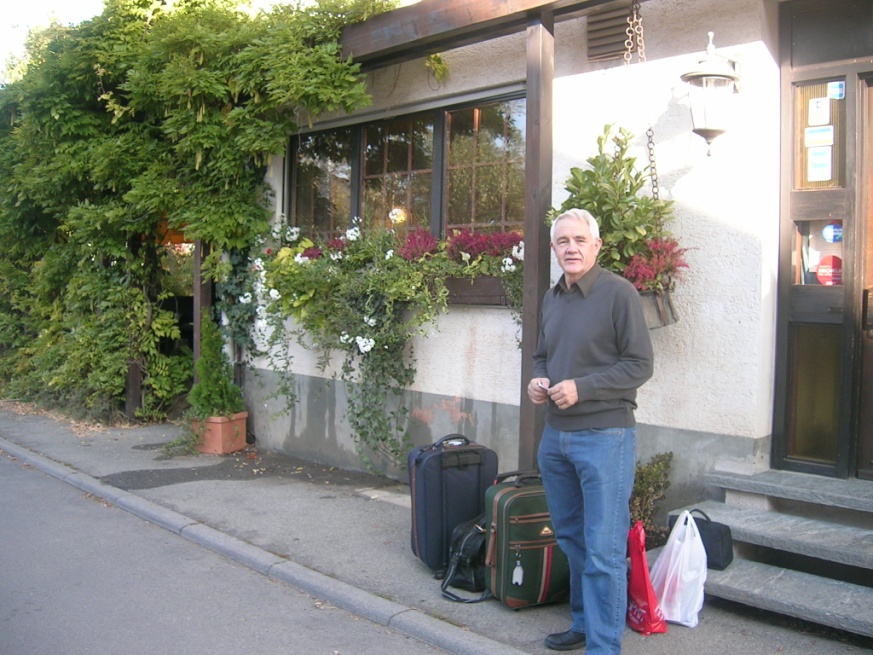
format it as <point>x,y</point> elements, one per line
<point>712,388</point>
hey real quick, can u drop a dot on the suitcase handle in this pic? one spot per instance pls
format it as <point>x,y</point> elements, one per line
<point>531,476</point>
<point>451,437</point>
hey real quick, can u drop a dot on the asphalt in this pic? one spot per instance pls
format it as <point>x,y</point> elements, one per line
<point>342,537</point>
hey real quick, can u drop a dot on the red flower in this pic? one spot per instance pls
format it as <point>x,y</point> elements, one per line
<point>656,268</point>
<point>418,244</point>
<point>495,244</point>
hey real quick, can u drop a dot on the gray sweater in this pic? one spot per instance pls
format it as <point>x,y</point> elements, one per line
<point>594,333</point>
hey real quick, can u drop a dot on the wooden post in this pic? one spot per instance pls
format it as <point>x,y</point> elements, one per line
<point>202,295</point>
<point>537,201</point>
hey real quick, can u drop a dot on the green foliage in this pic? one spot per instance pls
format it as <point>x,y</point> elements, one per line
<point>611,188</point>
<point>650,485</point>
<point>214,393</point>
<point>365,295</point>
<point>153,112</point>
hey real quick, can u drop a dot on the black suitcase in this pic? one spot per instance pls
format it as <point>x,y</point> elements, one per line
<point>447,482</point>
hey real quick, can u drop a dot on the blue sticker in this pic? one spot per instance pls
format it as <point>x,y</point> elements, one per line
<point>837,90</point>
<point>833,232</point>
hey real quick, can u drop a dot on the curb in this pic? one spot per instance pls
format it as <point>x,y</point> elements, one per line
<point>378,610</point>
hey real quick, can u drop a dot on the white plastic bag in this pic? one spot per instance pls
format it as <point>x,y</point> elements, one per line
<point>679,573</point>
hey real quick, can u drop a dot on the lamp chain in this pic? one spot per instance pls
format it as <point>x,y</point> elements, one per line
<point>634,33</point>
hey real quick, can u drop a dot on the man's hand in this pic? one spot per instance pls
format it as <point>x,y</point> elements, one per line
<point>538,390</point>
<point>564,394</point>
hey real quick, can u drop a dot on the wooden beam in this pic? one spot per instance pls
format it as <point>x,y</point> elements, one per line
<point>537,201</point>
<point>437,25</point>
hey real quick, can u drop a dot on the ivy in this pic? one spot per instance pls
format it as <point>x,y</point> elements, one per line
<point>153,113</point>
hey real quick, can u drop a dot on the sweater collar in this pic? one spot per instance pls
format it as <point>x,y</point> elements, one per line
<point>584,283</point>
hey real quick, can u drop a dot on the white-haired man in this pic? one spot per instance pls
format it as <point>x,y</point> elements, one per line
<point>593,353</point>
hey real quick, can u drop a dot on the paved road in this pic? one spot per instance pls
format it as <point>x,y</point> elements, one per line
<point>80,577</point>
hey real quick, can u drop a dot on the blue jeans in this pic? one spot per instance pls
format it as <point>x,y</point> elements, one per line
<point>588,476</point>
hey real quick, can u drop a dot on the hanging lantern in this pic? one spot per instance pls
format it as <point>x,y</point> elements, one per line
<point>712,82</point>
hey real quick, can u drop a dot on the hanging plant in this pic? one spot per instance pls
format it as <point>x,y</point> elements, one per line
<point>636,242</point>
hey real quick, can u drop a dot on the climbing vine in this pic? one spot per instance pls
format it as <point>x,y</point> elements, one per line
<point>154,113</point>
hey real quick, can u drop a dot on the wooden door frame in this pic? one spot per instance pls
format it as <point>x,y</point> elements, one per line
<point>806,305</point>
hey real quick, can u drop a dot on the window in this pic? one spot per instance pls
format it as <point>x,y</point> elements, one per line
<point>321,183</point>
<point>485,186</point>
<point>447,169</point>
<point>398,173</point>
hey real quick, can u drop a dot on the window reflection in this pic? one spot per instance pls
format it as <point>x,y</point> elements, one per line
<point>485,186</point>
<point>389,165</point>
<point>322,183</point>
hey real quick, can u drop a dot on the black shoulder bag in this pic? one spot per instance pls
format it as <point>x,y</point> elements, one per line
<point>467,568</point>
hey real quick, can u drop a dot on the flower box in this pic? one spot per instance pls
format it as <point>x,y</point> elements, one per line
<point>222,435</point>
<point>480,290</point>
<point>658,308</point>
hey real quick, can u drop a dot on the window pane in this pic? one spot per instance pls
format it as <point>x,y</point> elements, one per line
<point>818,253</point>
<point>815,397</point>
<point>486,167</point>
<point>398,173</point>
<point>322,192</point>
<point>820,135</point>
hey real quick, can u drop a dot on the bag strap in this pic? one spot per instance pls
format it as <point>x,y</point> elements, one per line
<point>702,513</point>
<point>455,597</point>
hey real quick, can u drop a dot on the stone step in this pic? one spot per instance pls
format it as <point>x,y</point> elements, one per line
<point>832,542</point>
<point>832,603</point>
<point>856,495</point>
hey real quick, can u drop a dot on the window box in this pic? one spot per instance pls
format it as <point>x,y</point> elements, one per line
<point>658,308</point>
<point>481,290</point>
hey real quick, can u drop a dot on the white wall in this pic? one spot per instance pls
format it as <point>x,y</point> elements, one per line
<point>714,369</point>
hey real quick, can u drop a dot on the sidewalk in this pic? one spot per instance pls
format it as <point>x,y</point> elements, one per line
<point>342,537</point>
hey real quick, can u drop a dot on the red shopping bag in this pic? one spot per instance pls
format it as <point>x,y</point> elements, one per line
<point>643,612</point>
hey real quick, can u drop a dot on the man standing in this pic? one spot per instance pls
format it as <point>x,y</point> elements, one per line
<point>593,353</point>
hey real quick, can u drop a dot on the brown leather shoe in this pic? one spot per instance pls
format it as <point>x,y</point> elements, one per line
<point>565,640</point>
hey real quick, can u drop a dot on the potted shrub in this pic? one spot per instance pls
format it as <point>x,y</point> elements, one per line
<point>636,242</point>
<point>217,408</point>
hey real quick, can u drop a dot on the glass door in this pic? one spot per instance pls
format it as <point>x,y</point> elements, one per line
<point>814,396</point>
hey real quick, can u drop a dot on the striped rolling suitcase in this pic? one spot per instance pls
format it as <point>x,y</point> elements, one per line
<point>526,565</point>
<point>447,481</point>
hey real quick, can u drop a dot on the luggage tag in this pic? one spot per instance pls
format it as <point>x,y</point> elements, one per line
<point>518,572</point>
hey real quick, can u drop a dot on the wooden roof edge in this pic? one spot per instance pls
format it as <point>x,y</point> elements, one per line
<point>432,26</point>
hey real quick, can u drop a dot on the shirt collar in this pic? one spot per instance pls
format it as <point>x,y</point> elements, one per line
<point>584,283</point>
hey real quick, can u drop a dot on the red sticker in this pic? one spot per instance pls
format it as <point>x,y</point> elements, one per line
<point>830,271</point>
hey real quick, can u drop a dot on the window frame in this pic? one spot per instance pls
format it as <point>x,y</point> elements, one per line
<point>439,176</point>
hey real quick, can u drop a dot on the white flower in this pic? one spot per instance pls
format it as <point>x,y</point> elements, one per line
<point>370,321</point>
<point>300,259</point>
<point>518,251</point>
<point>365,345</point>
<point>466,257</point>
<point>389,254</point>
<point>245,299</point>
<point>345,338</point>
<point>336,255</point>
<point>508,265</point>
<point>353,233</point>
<point>292,233</point>
<point>274,294</point>
<point>258,265</point>
<point>276,231</point>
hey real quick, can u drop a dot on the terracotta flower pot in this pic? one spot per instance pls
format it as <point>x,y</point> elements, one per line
<point>222,435</point>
